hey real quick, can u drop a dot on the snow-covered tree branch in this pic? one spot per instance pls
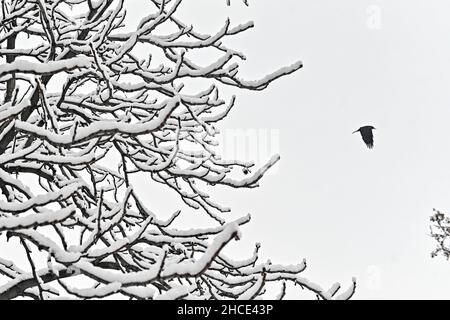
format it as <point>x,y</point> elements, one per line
<point>83,111</point>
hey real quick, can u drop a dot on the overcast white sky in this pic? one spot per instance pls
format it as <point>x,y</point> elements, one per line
<point>348,210</point>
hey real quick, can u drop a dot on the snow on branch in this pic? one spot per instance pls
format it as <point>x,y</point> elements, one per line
<point>86,105</point>
<point>51,67</point>
<point>46,218</point>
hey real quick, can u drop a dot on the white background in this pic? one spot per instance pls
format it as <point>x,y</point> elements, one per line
<point>348,210</point>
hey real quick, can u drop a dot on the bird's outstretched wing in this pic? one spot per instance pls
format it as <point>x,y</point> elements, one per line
<point>367,136</point>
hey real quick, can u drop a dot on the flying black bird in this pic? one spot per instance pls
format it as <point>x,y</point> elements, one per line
<point>367,135</point>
